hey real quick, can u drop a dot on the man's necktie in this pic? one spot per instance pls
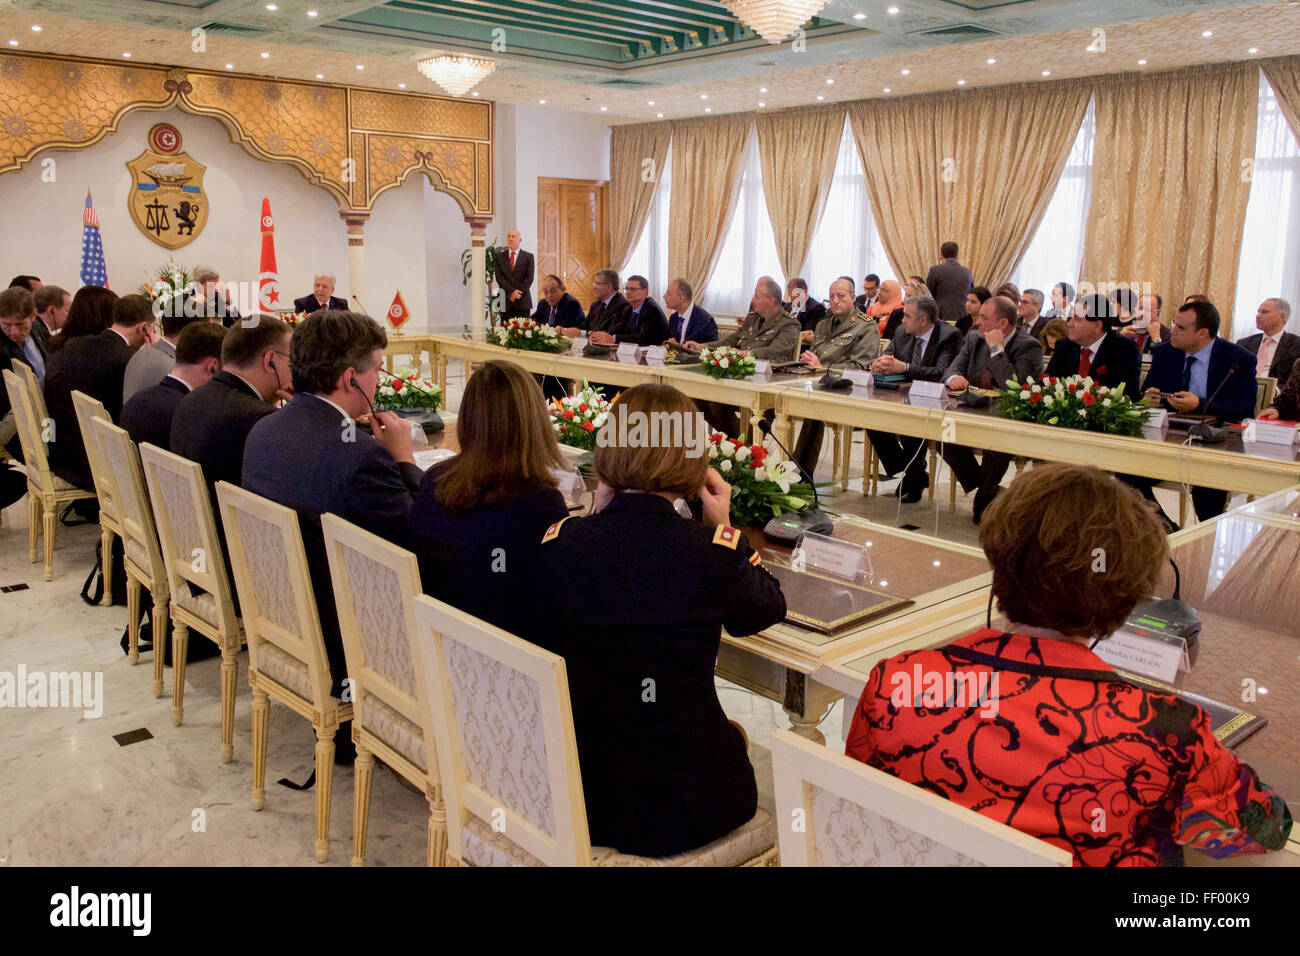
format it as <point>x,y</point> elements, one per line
<point>918,352</point>
<point>1085,361</point>
<point>1187,373</point>
<point>681,334</point>
<point>1266,349</point>
<point>33,353</point>
<point>512,262</point>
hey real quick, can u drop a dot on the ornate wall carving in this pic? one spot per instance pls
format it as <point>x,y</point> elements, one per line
<point>355,143</point>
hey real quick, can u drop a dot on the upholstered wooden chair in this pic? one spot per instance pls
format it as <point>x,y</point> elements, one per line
<point>286,651</point>
<point>375,585</point>
<point>1265,392</point>
<point>88,409</point>
<point>508,757</point>
<point>47,491</point>
<point>196,576</point>
<point>143,556</point>
<point>836,811</point>
<point>28,375</point>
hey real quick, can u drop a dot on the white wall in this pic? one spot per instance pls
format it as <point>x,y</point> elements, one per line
<point>413,239</point>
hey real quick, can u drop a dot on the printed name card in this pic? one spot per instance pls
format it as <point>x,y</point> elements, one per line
<point>1271,432</point>
<point>859,377</point>
<point>629,353</point>
<point>571,485</point>
<point>579,344</point>
<point>931,391</point>
<point>656,356</point>
<point>1161,659</point>
<point>762,370</point>
<point>1157,418</point>
<point>841,558</point>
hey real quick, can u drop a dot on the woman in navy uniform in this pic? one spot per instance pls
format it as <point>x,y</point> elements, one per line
<point>642,595</point>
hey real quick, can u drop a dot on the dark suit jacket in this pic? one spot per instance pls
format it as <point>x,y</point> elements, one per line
<point>305,458</point>
<point>1022,357</point>
<point>93,364</point>
<point>1284,358</point>
<point>616,318</point>
<point>567,315</point>
<point>41,333</point>
<point>1040,323</point>
<point>309,304</point>
<point>148,414</point>
<point>1287,401</point>
<point>932,366</point>
<point>649,327</point>
<point>212,424</point>
<point>703,327</point>
<point>519,278</point>
<point>1117,363</point>
<point>949,283</point>
<point>813,312</point>
<point>1237,398</point>
<point>10,350</point>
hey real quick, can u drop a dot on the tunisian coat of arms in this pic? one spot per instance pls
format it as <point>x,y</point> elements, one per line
<point>167,200</point>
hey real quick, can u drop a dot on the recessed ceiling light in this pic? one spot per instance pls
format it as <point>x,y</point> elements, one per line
<point>360,66</point>
<point>272,7</point>
<point>991,60</point>
<point>1090,49</point>
<point>1253,49</point>
<point>231,66</point>
<point>761,104</point>
<point>961,82</point>
<point>650,102</point>
<point>36,28</point>
<point>829,81</point>
<point>127,55</point>
<point>1142,62</point>
<point>821,97</point>
<point>265,56</point>
<point>660,115</point>
<point>1207,33</point>
<point>311,13</point>
<point>320,76</point>
<point>604,108</point>
<point>704,96</point>
<point>762,89</point>
<point>887,90</point>
<point>1047,73</point>
<point>859,16</point>
<point>13,42</point>
<point>401,86</point>
<point>543,102</point>
<point>475,93</point>
<point>905,72</point>
<point>709,109</point>
<point>892,10</point>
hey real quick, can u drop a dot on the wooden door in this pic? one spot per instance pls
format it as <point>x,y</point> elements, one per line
<point>572,233</point>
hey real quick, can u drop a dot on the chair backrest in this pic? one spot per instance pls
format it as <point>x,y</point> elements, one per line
<point>1265,392</point>
<point>832,810</point>
<point>31,434</point>
<point>187,532</point>
<point>88,409</point>
<point>135,518</point>
<point>28,375</point>
<point>276,601</point>
<point>503,725</point>
<point>375,585</point>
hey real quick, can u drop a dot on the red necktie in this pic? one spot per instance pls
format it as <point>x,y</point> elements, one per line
<point>1085,362</point>
<point>512,262</point>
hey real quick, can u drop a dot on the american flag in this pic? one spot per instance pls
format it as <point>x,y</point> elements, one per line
<point>93,269</point>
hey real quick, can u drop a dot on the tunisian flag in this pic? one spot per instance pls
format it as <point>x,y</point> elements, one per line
<point>268,286</point>
<point>397,312</point>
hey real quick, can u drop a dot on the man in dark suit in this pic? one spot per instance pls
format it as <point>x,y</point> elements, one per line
<point>17,318</point>
<point>922,351</point>
<point>1275,350</point>
<point>1093,348</point>
<point>212,423</point>
<point>992,353</point>
<point>807,310</point>
<point>514,272</point>
<point>93,364</point>
<point>208,297</point>
<point>649,325</point>
<point>322,296</point>
<point>147,415</point>
<point>870,289</point>
<point>689,322</point>
<point>610,312</point>
<point>1200,374</point>
<point>52,304</point>
<point>1029,312</point>
<point>950,282</point>
<point>1147,329</point>
<point>312,457</point>
<point>557,306</point>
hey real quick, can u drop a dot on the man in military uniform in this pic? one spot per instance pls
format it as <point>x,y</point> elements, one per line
<point>845,338</point>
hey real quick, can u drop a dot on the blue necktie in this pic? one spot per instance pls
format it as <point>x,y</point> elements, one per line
<point>33,353</point>
<point>1187,373</point>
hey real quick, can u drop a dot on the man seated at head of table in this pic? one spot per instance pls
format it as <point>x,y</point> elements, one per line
<point>689,322</point>
<point>648,324</point>
<point>922,351</point>
<point>206,296</point>
<point>610,312</point>
<point>147,416</point>
<point>313,457</point>
<point>322,296</point>
<point>1198,373</point>
<point>672,775</point>
<point>557,307</point>
<point>478,520</point>
<point>1083,735</point>
<point>845,338</point>
<point>1095,349</point>
<point>992,353</point>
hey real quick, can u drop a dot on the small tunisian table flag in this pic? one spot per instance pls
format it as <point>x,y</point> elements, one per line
<point>268,286</point>
<point>397,313</point>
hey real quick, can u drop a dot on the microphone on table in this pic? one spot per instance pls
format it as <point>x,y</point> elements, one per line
<point>787,528</point>
<point>1208,433</point>
<point>363,308</point>
<point>832,382</point>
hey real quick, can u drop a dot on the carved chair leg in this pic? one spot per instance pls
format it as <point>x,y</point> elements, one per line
<point>180,648</point>
<point>363,772</point>
<point>324,781</point>
<point>261,719</point>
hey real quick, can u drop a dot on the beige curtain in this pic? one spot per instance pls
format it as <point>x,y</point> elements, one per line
<point>707,159</point>
<point>975,167</point>
<point>632,183</point>
<point>1283,75</point>
<point>1169,192</point>
<point>798,149</point>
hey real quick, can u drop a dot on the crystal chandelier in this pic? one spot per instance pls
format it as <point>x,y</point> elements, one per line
<point>774,20</point>
<point>456,73</point>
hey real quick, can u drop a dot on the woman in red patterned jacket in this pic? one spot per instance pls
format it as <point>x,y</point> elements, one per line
<point>1032,729</point>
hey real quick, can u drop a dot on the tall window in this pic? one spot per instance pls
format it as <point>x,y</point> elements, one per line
<point>749,248</point>
<point>1056,252</point>
<point>1271,239</point>
<point>650,257</point>
<point>846,241</point>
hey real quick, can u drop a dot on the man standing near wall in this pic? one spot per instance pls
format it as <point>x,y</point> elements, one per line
<point>949,283</point>
<point>515,276</point>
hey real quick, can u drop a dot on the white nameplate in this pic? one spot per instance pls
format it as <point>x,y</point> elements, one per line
<point>426,458</point>
<point>762,370</point>
<point>841,558</point>
<point>571,485</point>
<point>1157,418</point>
<point>656,355</point>
<point>1270,432</point>
<point>629,353</point>
<point>860,378</point>
<point>927,390</point>
<point>579,344</point>
<point>1144,655</point>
